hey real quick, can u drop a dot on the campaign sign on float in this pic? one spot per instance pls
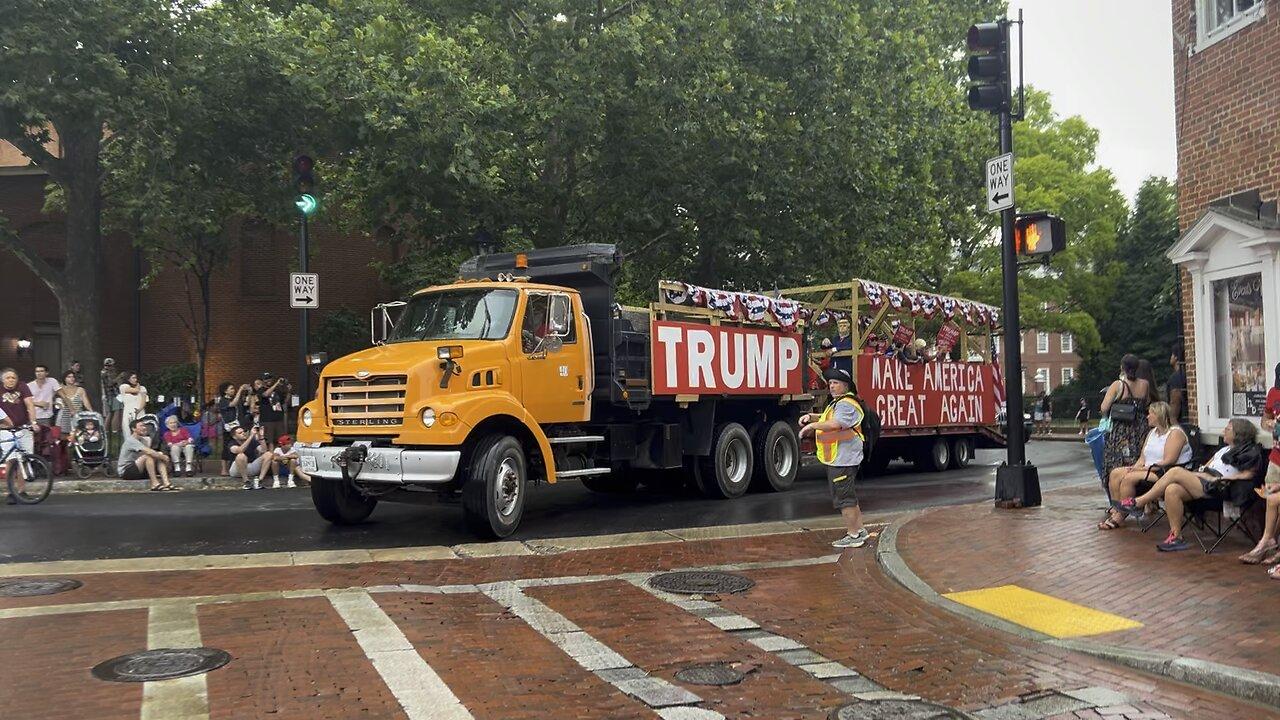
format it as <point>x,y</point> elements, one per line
<point>928,394</point>
<point>696,359</point>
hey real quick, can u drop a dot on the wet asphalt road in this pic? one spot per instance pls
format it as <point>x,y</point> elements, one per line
<point>90,526</point>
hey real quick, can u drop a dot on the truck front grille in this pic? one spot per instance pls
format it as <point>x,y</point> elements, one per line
<point>369,402</point>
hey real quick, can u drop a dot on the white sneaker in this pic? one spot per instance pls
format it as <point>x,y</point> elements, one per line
<point>853,541</point>
<point>291,483</point>
<point>257,485</point>
<point>247,486</point>
<point>276,484</point>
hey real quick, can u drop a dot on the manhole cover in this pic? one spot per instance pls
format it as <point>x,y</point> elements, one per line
<point>699,582</point>
<point>710,674</point>
<point>161,664</point>
<point>33,587</point>
<point>895,710</point>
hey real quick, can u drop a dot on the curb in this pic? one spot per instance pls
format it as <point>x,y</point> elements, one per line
<point>76,485</point>
<point>1250,685</point>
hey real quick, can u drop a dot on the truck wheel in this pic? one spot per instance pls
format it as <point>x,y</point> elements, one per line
<point>493,496</point>
<point>340,503</point>
<point>961,452</point>
<point>777,457</point>
<point>935,456</point>
<point>727,473</point>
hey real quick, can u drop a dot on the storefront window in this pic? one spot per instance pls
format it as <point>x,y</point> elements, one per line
<point>1240,345</point>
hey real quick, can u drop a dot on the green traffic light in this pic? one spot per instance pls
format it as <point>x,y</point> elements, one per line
<point>307,204</point>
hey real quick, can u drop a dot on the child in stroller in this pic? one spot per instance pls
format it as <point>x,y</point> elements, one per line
<point>89,445</point>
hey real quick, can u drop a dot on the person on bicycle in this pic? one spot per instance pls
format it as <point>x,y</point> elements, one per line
<point>7,440</point>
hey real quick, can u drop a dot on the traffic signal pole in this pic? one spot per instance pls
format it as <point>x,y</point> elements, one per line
<point>1017,481</point>
<point>304,367</point>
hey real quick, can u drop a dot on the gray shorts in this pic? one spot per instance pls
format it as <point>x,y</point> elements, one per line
<point>841,478</point>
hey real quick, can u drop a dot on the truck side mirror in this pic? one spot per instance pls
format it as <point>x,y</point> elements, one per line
<point>558,324</point>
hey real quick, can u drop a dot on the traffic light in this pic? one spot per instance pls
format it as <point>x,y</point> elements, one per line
<point>304,181</point>
<point>1039,235</point>
<point>989,66</point>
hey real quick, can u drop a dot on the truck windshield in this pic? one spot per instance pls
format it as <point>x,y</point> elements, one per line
<point>472,314</point>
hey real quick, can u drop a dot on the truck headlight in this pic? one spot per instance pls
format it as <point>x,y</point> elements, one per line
<point>307,417</point>
<point>428,417</point>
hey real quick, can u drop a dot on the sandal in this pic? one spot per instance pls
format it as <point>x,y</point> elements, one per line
<point>1274,572</point>
<point>1273,558</point>
<point>1255,556</point>
<point>1108,524</point>
<point>166,487</point>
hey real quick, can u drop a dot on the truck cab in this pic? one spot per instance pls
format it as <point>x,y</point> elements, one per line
<point>464,363</point>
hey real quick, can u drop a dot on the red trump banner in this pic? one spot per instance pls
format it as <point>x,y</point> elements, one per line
<point>928,394</point>
<point>694,359</point>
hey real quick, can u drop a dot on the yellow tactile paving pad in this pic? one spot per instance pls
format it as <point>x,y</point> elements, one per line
<point>1040,612</point>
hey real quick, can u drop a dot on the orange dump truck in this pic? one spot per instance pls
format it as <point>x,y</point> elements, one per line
<point>527,371</point>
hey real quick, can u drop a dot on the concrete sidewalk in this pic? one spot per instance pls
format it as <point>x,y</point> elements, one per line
<point>1203,619</point>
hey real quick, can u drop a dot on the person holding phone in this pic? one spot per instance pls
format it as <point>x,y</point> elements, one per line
<point>250,463</point>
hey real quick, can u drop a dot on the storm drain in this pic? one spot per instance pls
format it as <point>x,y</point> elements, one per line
<point>701,582</point>
<point>33,587</point>
<point>895,710</point>
<point>710,674</point>
<point>163,664</point>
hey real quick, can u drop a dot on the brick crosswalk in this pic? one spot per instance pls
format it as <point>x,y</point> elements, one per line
<point>573,635</point>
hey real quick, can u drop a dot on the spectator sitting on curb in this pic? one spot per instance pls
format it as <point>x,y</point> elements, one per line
<point>285,457</point>
<point>234,412</point>
<point>137,459</point>
<point>247,449</point>
<point>181,446</point>
<point>1166,446</point>
<point>1238,460</point>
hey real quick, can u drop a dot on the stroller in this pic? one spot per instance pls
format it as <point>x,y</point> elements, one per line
<point>89,454</point>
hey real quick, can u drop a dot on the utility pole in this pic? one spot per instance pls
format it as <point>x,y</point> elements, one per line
<point>1017,481</point>
<point>307,204</point>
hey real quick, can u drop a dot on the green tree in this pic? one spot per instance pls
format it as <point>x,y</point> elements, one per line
<point>69,70</point>
<point>1055,170</point>
<point>216,132</point>
<point>1141,314</point>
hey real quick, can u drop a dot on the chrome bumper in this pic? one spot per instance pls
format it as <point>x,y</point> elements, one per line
<point>393,466</point>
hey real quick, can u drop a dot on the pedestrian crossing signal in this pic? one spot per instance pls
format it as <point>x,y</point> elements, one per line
<point>1039,235</point>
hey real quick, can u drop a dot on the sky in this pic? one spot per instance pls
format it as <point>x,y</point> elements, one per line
<point>1110,62</point>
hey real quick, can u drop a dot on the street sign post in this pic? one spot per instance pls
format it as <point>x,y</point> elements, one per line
<point>304,290</point>
<point>1000,183</point>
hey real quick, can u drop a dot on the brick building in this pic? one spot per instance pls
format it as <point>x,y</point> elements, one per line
<point>1228,119</point>
<point>253,328</point>
<point>1049,360</point>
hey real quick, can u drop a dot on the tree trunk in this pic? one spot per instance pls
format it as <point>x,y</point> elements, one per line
<point>79,297</point>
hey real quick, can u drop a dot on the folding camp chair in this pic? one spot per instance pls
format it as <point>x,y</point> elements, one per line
<point>1237,492</point>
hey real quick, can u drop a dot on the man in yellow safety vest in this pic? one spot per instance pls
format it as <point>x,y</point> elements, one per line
<point>837,433</point>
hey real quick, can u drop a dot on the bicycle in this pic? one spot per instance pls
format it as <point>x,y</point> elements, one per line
<point>30,469</point>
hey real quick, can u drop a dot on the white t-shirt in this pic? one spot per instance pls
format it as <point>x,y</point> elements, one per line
<point>133,405</point>
<point>1221,467</point>
<point>44,395</point>
<point>1153,450</point>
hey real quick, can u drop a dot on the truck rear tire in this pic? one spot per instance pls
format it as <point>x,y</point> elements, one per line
<point>934,455</point>
<point>777,457</point>
<point>340,503</point>
<point>727,473</point>
<point>493,496</point>
<point>961,452</point>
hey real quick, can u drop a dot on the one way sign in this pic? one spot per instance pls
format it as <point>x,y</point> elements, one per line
<point>304,290</point>
<point>1000,183</point>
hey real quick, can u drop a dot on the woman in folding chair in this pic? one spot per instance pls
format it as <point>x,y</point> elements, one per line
<point>1166,446</point>
<point>1238,460</point>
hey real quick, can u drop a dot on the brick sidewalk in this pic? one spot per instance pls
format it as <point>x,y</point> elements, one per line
<point>576,634</point>
<point>1208,607</point>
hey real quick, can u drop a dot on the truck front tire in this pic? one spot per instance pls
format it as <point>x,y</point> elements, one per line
<point>497,481</point>
<point>727,473</point>
<point>777,457</point>
<point>340,503</point>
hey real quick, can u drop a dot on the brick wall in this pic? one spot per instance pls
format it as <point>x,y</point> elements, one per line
<point>253,327</point>
<point>1228,117</point>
